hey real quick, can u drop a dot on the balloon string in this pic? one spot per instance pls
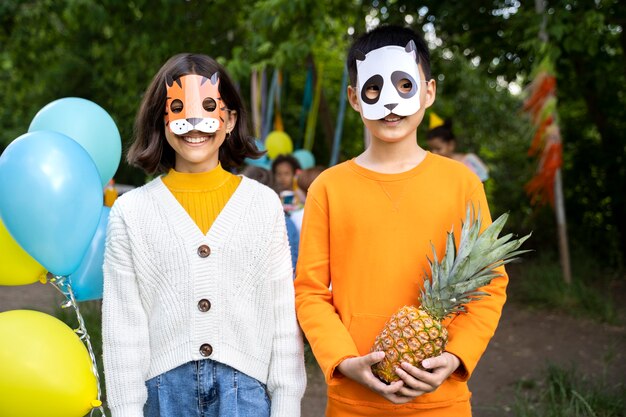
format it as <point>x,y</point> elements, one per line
<point>62,284</point>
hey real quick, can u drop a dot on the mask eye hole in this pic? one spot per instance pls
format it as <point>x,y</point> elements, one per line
<point>176,106</point>
<point>209,104</point>
<point>404,84</point>
<point>370,92</point>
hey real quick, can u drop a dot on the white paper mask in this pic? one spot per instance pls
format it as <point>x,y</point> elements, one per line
<point>379,76</point>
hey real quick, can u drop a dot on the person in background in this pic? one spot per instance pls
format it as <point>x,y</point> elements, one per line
<point>259,174</point>
<point>264,176</point>
<point>441,141</point>
<point>304,181</point>
<point>198,310</point>
<point>285,169</point>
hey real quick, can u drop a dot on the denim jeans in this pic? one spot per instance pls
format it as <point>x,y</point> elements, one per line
<point>206,389</point>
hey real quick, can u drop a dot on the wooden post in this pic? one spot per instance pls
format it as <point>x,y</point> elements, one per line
<point>559,201</point>
<point>561,224</point>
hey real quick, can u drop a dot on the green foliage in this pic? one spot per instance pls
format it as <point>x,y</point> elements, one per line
<point>566,393</point>
<point>538,282</point>
<point>108,51</point>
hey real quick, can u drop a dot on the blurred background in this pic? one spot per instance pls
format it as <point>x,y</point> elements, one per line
<point>484,55</point>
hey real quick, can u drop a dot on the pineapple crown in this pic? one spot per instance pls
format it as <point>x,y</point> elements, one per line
<point>455,280</point>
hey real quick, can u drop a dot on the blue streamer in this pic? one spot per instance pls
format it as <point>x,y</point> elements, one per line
<point>269,114</point>
<point>334,158</point>
<point>307,100</point>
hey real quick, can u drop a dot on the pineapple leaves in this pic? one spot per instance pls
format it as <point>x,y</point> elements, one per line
<point>455,280</point>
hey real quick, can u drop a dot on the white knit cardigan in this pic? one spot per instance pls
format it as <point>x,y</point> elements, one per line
<point>154,278</point>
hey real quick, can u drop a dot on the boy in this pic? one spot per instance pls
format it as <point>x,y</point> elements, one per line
<point>284,170</point>
<point>368,228</point>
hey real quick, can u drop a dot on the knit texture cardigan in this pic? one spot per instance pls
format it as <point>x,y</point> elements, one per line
<point>156,271</point>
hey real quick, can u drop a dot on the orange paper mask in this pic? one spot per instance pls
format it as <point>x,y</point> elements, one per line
<point>194,103</point>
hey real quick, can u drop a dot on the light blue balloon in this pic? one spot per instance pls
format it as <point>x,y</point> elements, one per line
<point>305,158</point>
<point>263,162</point>
<point>51,198</point>
<point>87,280</point>
<point>89,125</point>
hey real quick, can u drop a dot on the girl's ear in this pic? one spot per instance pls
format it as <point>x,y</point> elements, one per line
<point>231,120</point>
<point>354,99</point>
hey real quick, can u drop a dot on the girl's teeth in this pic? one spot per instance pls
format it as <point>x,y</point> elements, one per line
<point>195,139</point>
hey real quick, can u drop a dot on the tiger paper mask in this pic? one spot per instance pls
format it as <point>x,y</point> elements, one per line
<point>194,103</point>
<point>388,81</point>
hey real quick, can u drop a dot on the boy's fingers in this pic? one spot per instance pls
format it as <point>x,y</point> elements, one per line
<point>392,388</point>
<point>374,357</point>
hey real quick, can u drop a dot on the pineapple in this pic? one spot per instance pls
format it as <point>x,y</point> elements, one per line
<point>413,333</point>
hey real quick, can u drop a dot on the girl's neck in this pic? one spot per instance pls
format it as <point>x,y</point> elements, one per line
<point>391,158</point>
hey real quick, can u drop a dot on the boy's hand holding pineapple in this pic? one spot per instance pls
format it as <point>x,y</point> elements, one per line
<point>415,333</point>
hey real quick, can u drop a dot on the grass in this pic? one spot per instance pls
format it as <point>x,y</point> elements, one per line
<point>565,393</point>
<point>538,282</point>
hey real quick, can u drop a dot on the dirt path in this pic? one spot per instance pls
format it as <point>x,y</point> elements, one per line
<point>526,341</point>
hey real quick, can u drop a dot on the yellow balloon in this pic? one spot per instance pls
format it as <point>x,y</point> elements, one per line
<point>17,267</point>
<point>45,367</point>
<point>278,143</point>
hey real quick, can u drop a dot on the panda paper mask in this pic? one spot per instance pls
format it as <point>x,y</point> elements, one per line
<point>194,103</point>
<point>380,84</point>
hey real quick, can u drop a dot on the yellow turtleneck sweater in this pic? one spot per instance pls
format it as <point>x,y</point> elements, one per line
<point>202,195</point>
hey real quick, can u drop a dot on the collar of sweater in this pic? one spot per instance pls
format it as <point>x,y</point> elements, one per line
<point>176,215</point>
<point>200,181</point>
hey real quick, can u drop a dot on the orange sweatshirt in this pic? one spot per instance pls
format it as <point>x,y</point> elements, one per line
<point>369,234</point>
<point>202,195</point>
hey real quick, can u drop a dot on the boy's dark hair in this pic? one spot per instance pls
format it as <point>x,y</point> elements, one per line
<point>385,36</point>
<point>306,177</point>
<point>295,165</point>
<point>444,132</point>
<point>150,150</point>
<point>262,175</point>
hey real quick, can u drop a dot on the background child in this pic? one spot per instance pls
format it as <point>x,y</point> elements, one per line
<point>304,181</point>
<point>284,169</point>
<point>198,315</point>
<point>264,176</point>
<point>367,230</point>
<point>441,140</point>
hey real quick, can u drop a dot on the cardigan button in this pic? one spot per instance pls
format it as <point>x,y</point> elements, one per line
<point>204,251</point>
<point>206,350</point>
<point>204,305</point>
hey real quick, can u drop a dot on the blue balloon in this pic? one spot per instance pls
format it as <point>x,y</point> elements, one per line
<point>264,161</point>
<point>88,124</point>
<point>51,198</point>
<point>87,280</point>
<point>305,158</point>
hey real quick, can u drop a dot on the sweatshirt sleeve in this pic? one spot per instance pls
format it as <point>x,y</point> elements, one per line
<point>330,340</point>
<point>470,332</point>
<point>124,325</point>
<point>287,376</point>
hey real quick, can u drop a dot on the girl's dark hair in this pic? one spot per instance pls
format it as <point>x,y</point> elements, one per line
<point>443,132</point>
<point>150,150</point>
<point>385,36</point>
<point>291,160</point>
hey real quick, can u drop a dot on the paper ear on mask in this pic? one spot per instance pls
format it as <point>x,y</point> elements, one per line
<point>383,69</point>
<point>194,103</point>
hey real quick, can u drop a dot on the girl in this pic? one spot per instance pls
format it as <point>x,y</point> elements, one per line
<point>198,305</point>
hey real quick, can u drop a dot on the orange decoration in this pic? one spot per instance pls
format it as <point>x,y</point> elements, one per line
<point>546,141</point>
